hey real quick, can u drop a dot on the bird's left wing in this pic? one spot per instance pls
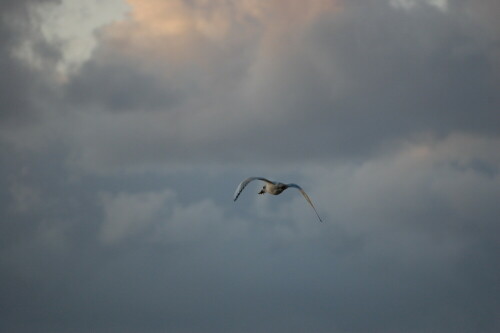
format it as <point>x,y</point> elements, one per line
<point>244,183</point>
<point>307,198</point>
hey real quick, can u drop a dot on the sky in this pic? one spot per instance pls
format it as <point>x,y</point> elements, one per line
<point>126,126</point>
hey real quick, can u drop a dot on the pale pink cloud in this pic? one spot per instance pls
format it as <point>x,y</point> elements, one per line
<point>179,31</point>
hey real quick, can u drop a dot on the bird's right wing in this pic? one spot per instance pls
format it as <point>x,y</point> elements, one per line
<point>307,198</point>
<point>244,183</point>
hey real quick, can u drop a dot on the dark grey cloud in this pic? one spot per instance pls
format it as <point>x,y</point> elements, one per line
<point>23,89</point>
<point>360,81</point>
<point>119,86</point>
<point>378,73</point>
<point>399,250</point>
<point>116,210</point>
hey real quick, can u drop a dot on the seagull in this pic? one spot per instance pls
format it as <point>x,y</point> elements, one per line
<point>273,188</point>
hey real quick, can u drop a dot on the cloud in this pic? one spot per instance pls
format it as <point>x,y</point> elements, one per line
<point>410,4</point>
<point>26,198</point>
<point>392,250</point>
<point>322,75</point>
<point>119,92</point>
<point>126,214</point>
<point>185,28</point>
<point>427,186</point>
<point>359,78</point>
<point>116,182</point>
<point>72,26</point>
<point>22,86</point>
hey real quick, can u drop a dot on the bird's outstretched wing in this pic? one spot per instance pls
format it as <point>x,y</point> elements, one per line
<point>244,183</point>
<point>307,198</point>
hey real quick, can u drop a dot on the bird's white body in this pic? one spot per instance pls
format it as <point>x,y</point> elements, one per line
<point>273,188</point>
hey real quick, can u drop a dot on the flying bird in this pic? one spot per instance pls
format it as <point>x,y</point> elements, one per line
<point>273,188</point>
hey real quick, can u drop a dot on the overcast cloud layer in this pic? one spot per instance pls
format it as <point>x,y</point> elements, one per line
<point>126,127</point>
